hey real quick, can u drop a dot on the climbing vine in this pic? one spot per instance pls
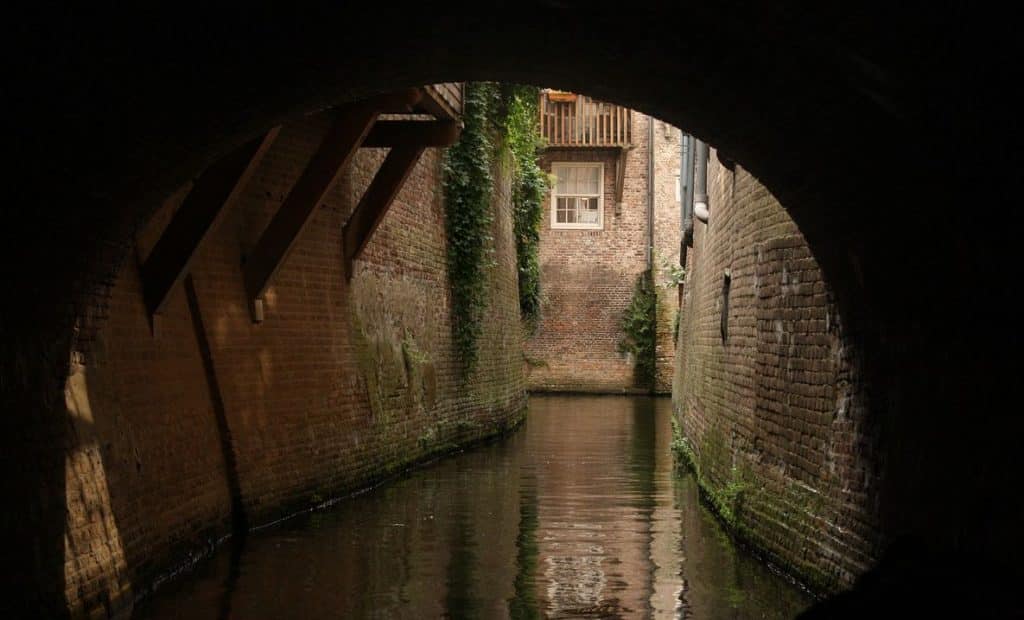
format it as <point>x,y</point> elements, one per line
<point>468,188</point>
<point>495,117</point>
<point>639,324</point>
<point>529,187</point>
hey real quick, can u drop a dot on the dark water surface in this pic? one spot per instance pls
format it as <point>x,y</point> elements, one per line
<point>578,514</point>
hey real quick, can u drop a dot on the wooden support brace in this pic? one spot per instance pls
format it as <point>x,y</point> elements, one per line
<point>620,177</point>
<point>433,103</point>
<point>374,204</point>
<point>353,122</point>
<point>215,189</point>
<point>389,134</point>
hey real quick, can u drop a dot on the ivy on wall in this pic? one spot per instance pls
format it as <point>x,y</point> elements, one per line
<point>639,324</point>
<point>530,185</point>
<point>468,187</point>
<point>495,117</point>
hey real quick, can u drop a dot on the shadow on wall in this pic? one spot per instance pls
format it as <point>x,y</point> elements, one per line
<point>35,480</point>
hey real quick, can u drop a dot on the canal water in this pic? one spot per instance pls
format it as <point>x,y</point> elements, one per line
<point>578,514</point>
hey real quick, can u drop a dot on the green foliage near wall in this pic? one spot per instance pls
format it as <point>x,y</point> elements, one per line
<point>640,325</point>
<point>528,190</point>
<point>495,118</point>
<point>468,188</point>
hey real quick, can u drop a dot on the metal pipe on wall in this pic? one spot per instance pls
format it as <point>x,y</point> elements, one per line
<point>686,187</point>
<point>700,181</point>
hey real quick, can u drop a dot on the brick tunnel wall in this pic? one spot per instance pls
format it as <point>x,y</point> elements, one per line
<point>588,277</point>
<point>774,413</point>
<point>341,385</point>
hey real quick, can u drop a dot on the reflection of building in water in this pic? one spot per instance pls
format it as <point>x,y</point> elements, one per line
<point>594,505</point>
<point>574,582</point>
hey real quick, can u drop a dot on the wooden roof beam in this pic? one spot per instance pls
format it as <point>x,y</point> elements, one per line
<point>374,205</point>
<point>352,124</point>
<point>388,134</point>
<point>216,188</point>
<point>433,103</point>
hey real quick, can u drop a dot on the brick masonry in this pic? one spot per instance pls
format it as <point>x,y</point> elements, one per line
<point>341,385</point>
<point>588,276</point>
<point>775,412</point>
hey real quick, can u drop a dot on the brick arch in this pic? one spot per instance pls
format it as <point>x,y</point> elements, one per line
<point>846,118</point>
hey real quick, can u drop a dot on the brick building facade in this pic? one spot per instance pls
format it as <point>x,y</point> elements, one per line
<point>591,258</point>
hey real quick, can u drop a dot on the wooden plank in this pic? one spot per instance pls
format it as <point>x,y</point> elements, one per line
<point>541,114</point>
<point>610,128</point>
<point>585,125</point>
<point>620,176</point>
<point>203,208</point>
<point>374,204</point>
<point>352,123</point>
<point>584,134</point>
<point>388,134</point>
<point>562,132</point>
<point>574,127</point>
<point>558,112</point>
<point>434,102</point>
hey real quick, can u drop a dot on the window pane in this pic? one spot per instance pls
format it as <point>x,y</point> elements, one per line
<point>591,180</point>
<point>560,186</point>
<point>570,214</point>
<point>588,212</point>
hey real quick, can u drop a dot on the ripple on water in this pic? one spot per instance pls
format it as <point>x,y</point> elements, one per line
<point>576,515</point>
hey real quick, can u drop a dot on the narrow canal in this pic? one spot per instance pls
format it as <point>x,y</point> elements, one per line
<point>579,514</point>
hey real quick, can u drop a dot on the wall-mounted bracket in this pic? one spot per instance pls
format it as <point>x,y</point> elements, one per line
<point>620,177</point>
<point>203,207</point>
<point>352,124</point>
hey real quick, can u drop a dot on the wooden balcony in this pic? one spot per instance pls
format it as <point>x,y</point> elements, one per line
<point>571,120</point>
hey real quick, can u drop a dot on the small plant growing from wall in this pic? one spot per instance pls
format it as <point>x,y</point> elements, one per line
<point>672,274</point>
<point>639,325</point>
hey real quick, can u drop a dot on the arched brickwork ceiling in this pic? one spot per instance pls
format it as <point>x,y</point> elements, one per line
<point>859,122</point>
<point>798,97</point>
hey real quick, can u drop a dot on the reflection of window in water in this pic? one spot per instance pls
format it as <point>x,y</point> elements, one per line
<point>577,195</point>
<point>575,582</point>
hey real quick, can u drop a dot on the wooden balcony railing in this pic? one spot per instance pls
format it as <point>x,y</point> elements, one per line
<point>568,119</point>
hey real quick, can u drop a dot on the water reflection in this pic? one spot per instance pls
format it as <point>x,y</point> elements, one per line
<point>576,515</point>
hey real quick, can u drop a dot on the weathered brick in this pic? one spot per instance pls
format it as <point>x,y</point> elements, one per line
<point>343,383</point>
<point>785,388</point>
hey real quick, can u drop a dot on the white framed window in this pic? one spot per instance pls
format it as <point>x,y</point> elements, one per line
<point>577,199</point>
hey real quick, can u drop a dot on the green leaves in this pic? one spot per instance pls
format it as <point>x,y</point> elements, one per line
<point>493,116</point>
<point>469,186</point>
<point>639,323</point>
<point>530,185</point>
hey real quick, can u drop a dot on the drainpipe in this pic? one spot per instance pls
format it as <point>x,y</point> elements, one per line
<point>686,192</point>
<point>650,192</point>
<point>700,181</point>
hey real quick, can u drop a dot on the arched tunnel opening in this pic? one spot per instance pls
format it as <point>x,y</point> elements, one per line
<point>848,120</point>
